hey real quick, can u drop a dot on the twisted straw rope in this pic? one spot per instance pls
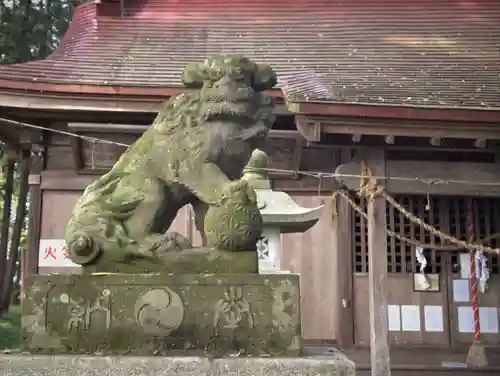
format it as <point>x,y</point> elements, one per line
<point>368,188</point>
<point>361,212</point>
<point>467,245</point>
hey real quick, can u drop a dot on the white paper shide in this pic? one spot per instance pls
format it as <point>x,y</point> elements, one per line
<point>419,254</point>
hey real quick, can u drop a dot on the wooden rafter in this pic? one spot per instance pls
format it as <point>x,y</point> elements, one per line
<point>310,130</point>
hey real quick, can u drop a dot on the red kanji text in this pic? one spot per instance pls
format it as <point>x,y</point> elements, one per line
<point>50,252</point>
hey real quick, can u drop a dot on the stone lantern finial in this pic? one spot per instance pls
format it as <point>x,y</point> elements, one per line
<point>255,170</point>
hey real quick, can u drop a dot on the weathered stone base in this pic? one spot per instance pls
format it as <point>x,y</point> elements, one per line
<point>20,365</point>
<point>157,314</point>
<point>188,261</point>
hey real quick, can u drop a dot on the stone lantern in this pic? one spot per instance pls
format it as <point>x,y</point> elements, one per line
<point>280,213</point>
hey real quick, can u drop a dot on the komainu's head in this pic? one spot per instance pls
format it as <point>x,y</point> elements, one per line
<point>233,105</point>
<point>231,86</point>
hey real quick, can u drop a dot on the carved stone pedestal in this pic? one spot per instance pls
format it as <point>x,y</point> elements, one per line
<point>162,314</point>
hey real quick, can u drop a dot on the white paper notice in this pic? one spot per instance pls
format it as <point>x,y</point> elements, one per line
<point>394,318</point>
<point>461,290</point>
<point>433,316</point>
<point>465,320</point>
<point>464,260</point>
<point>488,319</point>
<point>54,253</point>
<point>410,318</point>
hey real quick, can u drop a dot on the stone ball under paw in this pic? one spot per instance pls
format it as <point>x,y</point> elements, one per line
<point>235,224</point>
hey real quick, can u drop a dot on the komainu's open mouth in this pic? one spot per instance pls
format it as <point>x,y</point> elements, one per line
<point>230,93</point>
<point>245,111</point>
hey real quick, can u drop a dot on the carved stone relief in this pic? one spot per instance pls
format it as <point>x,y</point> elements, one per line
<point>82,313</point>
<point>233,310</point>
<point>159,311</point>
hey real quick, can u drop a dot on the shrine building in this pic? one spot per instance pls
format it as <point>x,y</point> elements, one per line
<point>407,91</point>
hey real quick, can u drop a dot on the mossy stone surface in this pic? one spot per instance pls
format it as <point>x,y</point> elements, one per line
<point>77,365</point>
<point>190,261</point>
<point>163,314</point>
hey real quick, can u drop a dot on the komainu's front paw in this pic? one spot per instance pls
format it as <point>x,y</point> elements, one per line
<point>173,242</point>
<point>236,223</point>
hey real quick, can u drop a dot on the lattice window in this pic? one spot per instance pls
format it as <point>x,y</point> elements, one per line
<point>446,214</point>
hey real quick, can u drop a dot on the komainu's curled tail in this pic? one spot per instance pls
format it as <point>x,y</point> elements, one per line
<point>97,221</point>
<point>83,249</point>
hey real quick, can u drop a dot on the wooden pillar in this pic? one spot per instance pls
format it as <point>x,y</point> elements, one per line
<point>35,209</point>
<point>343,253</point>
<point>343,250</point>
<point>5,225</point>
<point>377,263</point>
<point>8,277</point>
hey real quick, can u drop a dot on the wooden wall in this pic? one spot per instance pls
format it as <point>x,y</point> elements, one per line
<point>425,312</point>
<point>442,317</point>
<point>311,255</point>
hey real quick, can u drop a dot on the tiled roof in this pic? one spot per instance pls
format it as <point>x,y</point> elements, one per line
<point>419,53</point>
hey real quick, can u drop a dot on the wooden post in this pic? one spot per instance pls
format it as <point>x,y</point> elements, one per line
<point>377,263</point>
<point>8,277</point>
<point>343,259</point>
<point>35,209</point>
<point>343,250</point>
<point>5,225</point>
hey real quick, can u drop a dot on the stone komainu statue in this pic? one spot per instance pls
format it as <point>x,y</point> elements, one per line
<point>193,153</point>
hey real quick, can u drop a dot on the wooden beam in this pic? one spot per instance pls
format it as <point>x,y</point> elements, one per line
<point>108,127</point>
<point>380,363</point>
<point>36,100</point>
<point>284,134</point>
<point>310,130</point>
<point>415,177</point>
<point>394,112</point>
<point>139,129</point>
<point>71,181</point>
<point>462,130</point>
